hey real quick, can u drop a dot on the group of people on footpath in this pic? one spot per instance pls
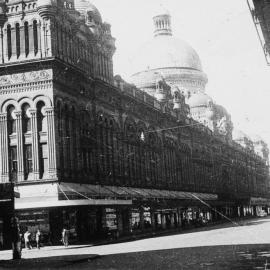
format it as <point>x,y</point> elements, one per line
<point>27,238</point>
<point>17,238</point>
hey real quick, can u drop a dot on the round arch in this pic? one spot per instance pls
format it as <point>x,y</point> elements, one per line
<point>8,103</point>
<point>45,99</point>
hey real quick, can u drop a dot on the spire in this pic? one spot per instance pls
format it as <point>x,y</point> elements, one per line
<point>162,22</point>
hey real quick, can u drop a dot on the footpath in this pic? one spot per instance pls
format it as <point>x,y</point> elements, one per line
<point>51,257</point>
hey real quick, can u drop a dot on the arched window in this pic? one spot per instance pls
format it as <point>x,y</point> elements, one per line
<point>26,38</point>
<point>41,119</point>
<point>11,120</point>
<point>35,35</point>
<point>28,159</point>
<point>13,163</point>
<point>18,40</point>
<point>26,119</point>
<point>9,48</point>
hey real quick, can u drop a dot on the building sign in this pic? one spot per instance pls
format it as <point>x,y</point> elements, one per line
<point>259,201</point>
<point>110,219</point>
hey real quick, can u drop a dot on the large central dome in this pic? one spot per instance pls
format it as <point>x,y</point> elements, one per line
<point>166,51</point>
<point>172,58</point>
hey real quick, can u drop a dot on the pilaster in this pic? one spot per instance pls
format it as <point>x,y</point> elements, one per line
<point>4,170</point>
<point>72,142</point>
<point>20,152</point>
<point>13,42</point>
<point>31,40</point>
<point>22,42</point>
<point>2,56</point>
<point>35,148</point>
<point>49,113</point>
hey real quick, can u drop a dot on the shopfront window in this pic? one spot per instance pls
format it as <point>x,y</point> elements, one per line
<point>110,219</point>
<point>135,219</point>
<point>147,218</point>
<point>34,220</point>
<point>70,222</point>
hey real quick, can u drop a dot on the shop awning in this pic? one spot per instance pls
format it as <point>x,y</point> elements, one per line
<point>97,191</point>
<point>72,194</point>
<point>35,202</point>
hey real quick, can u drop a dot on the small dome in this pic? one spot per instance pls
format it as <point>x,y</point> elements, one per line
<point>2,7</point>
<point>256,138</point>
<point>85,7</point>
<point>209,114</point>
<point>239,135</point>
<point>199,100</point>
<point>46,8</point>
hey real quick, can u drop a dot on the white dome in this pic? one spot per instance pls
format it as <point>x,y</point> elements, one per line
<point>199,100</point>
<point>256,138</point>
<point>239,135</point>
<point>166,52</point>
<point>84,6</point>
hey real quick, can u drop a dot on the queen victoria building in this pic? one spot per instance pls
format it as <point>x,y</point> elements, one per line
<point>90,152</point>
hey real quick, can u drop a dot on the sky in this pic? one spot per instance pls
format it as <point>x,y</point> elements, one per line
<point>224,36</point>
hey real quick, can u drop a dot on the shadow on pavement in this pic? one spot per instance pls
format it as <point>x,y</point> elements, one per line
<point>54,262</point>
<point>231,257</point>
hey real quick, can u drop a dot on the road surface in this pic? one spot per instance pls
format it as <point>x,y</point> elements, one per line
<point>219,247</point>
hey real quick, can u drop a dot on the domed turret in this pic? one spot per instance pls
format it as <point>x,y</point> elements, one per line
<point>176,98</point>
<point>89,11</point>
<point>2,12</point>
<point>200,100</point>
<point>174,58</point>
<point>46,8</point>
<point>161,90</point>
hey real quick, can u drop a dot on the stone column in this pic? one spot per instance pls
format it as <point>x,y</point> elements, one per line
<point>2,52</point>
<point>35,149</point>
<point>4,44</point>
<point>31,39</point>
<point>48,35</point>
<point>42,38</point>
<point>141,218</point>
<point>49,114</point>
<point>163,221</point>
<point>13,42</point>
<point>20,152</point>
<point>22,41</point>
<point>179,223</point>
<point>72,142</point>
<point>153,221</point>
<point>4,170</point>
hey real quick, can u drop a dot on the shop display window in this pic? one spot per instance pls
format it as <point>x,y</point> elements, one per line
<point>135,219</point>
<point>70,222</point>
<point>147,218</point>
<point>110,219</point>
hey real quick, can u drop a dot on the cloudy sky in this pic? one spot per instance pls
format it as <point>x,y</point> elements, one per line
<point>223,34</point>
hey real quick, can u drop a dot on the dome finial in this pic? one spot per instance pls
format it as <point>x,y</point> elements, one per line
<point>162,22</point>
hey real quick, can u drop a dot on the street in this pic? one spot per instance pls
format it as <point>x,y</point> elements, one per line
<point>224,246</point>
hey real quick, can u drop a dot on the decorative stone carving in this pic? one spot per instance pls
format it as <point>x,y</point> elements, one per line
<point>26,77</point>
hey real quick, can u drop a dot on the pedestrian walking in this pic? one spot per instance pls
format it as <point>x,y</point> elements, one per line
<point>27,240</point>
<point>38,233</point>
<point>65,237</point>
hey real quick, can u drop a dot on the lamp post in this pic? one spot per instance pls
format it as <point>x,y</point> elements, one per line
<point>15,229</point>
